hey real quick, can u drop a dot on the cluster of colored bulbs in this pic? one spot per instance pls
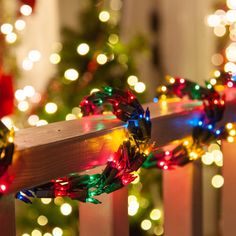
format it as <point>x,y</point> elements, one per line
<point>206,130</point>
<point>135,150</point>
<point>120,167</point>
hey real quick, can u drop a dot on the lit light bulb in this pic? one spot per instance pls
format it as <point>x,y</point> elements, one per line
<point>83,49</point>
<point>217,181</point>
<point>23,106</point>
<point>36,232</point>
<point>163,88</point>
<point>11,38</point>
<point>42,220</point>
<point>213,20</point>
<point>29,91</point>
<point>207,158</point>
<point>20,95</point>
<point>66,209</point>
<point>132,80</point>
<point>104,16</point>
<point>34,55</point>
<point>229,125</point>
<point>220,30</point>
<point>213,81</point>
<point>57,231</point>
<point>230,52</point>
<point>33,119</point>
<point>71,74</point>
<point>140,87</point>
<point>231,16</point>
<point>231,4</point>
<point>217,73</point>
<point>101,59</point>
<point>230,67</point>
<point>26,10</point>
<point>51,107</point>
<point>172,80</point>
<point>230,139</point>
<point>146,224</point>
<point>155,214</point>
<point>55,58</point>
<point>6,28</point>
<point>113,39</point>
<point>20,24</point>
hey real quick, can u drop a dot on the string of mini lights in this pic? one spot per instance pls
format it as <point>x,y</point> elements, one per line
<point>204,133</point>
<point>135,151</point>
<point>129,157</point>
<point>6,153</point>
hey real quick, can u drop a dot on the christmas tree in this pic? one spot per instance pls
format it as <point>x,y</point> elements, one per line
<point>90,57</point>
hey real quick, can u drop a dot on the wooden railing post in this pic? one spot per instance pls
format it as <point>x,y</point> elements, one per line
<point>183,201</point>
<point>7,216</point>
<point>107,219</point>
<point>229,189</point>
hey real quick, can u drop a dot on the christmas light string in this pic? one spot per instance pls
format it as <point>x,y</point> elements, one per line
<point>6,153</point>
<point>128,158</point>
<point>204,133</point>
<point>135,151</point>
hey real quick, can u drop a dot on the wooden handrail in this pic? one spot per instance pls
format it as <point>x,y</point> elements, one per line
<point>47,152</point>
<point>54,150</point>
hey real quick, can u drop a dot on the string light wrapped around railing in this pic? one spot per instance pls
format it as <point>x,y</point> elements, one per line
<point>129,157</point>
<point>136,151</point>
<point>204,132</point>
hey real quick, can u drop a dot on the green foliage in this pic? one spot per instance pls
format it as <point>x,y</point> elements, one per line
<point>98,35</point>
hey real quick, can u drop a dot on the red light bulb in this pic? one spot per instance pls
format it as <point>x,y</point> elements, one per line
<point>3,187</point>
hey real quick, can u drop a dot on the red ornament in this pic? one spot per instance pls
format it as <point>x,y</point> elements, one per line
<point>6,95</point>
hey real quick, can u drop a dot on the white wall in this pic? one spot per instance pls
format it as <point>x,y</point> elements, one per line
<point>41,32</point>
<point>186,43</point>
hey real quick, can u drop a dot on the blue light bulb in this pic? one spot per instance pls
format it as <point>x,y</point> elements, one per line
<point>218,132</point>
<point>210,126</point>
<point>155,100</point>
<point>200,123</point>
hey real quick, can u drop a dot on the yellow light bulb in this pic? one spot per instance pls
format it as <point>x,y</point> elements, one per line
<point>71,74</point>
<point>104,16</point>
<point>217,181</point>
<point>83,49</point>
<point>101,59</point>
<point>155,214</point>
<point>229,125</point>
<point>146,224</point>
<point>230,139</point>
